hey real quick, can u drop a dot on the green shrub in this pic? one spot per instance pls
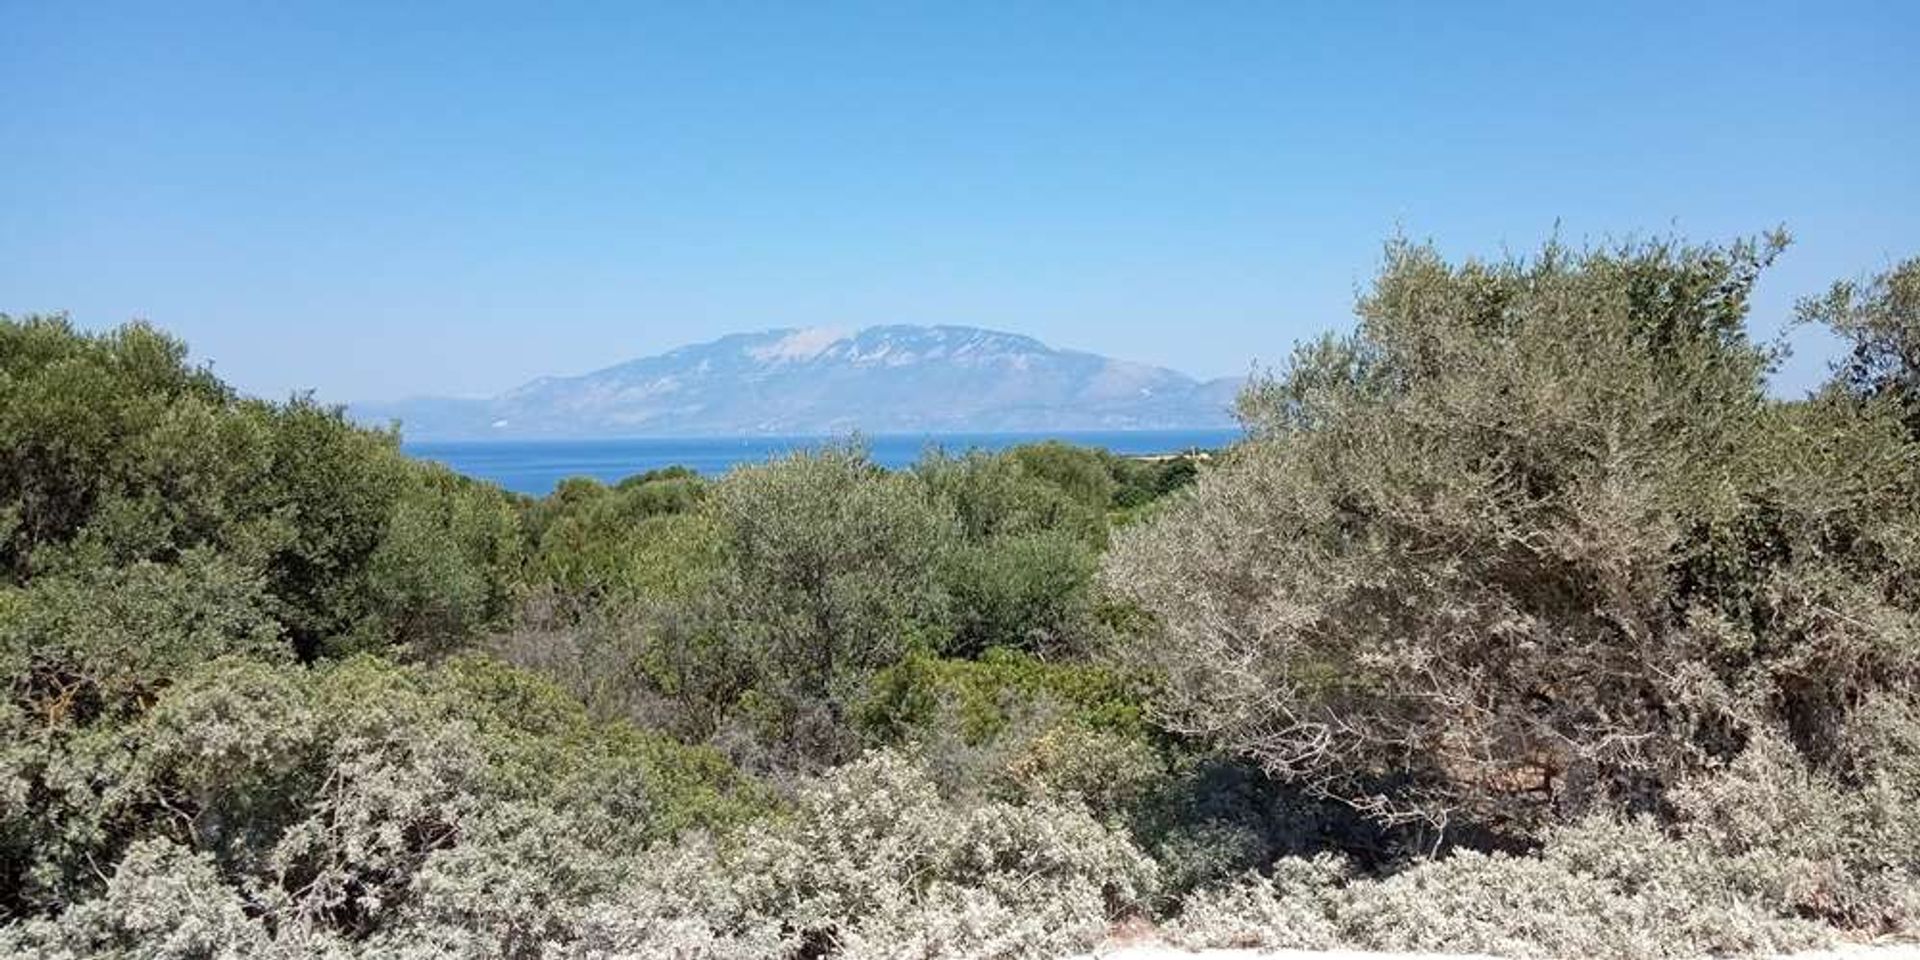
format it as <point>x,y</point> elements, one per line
<point>99,643</point>
<point>69,405</point>
<point>1021,573</point>
<point>984,696</point>
<point>447,566</point>
<point>639,539</point>
<point>1113,774</point>
<point>1026,592</point>
<point>1011,725</point>
<point>622,786</point>
<point>829,576</point>
<point>1000,495</point>
<point>1079,471</point>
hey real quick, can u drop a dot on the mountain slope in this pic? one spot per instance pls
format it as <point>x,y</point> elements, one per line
<point>891,379</point>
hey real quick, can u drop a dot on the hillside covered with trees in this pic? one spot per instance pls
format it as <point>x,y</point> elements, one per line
<point>1525,621</point>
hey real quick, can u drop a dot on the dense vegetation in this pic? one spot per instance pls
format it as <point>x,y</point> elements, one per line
<point>1523,621</point>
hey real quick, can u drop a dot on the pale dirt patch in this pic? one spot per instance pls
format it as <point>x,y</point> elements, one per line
<point>1899,951</point>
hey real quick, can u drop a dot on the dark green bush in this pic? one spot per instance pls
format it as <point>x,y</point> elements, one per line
<point>1027,592</point>
<point>121,453</point>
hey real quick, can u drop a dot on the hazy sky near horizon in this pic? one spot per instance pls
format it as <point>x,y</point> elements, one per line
<point>376,200</point>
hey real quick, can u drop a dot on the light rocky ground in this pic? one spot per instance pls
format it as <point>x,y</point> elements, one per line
<point>1149,952</point>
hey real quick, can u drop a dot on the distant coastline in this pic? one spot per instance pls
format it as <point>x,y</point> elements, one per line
<point>535,466</point>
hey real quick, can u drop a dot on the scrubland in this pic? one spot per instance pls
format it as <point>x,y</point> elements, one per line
<point>1525,621</point>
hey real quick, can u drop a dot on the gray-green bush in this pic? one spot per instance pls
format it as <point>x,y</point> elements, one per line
<point>1596,889</point>
<point>1531,542</point>
<point>874,864</point>
<point>869,863</point>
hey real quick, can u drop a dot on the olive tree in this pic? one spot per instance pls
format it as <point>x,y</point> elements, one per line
<point>1532,537</point>
<point>1879,320</point>
<point>1021,574</point>
<point>829,574</point>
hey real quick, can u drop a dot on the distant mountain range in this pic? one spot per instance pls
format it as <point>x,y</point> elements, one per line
<point>890,379</point>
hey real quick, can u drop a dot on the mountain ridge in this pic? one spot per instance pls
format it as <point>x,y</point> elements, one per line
<point>894,378</point>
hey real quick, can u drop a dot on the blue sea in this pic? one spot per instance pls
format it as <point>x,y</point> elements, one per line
<point>534,466</point>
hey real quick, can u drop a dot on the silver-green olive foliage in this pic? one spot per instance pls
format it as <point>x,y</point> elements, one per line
<point>1534,538</point>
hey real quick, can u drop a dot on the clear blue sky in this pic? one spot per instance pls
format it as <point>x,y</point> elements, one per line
<point>384,199</point>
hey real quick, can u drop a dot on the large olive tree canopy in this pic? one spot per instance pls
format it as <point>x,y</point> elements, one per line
<point>1532,535</point>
